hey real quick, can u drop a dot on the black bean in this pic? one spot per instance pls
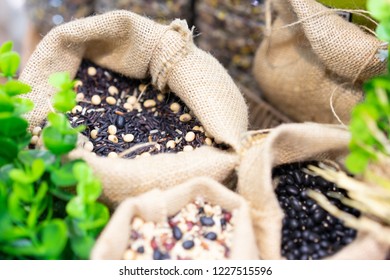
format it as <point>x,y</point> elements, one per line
<point>293,223</point>
<point>298,177</point>
<point>303,195</point>
<point>308,231</point>
<point>324,244</point>
<point>141,249</point>
<point>305,249</point>
<point>211,235</point>
<point>292,190</point>
<point>304,257</point>
<point>295,203</point>
<point>322,253</point>
<point>120,122</point>
<point>176,232</point>
<point>223,222</point>
<point>319,215</point>
<point>206,221</point>
<point>289,180</point>
<point>188,244</point>
<point>291,213</point>
<point>157,254</point>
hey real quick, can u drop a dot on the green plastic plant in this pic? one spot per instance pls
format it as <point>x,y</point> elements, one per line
<point>370,122</point>
<point>40,216</point>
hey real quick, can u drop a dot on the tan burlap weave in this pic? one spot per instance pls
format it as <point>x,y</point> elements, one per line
<point>157,205</point>
<point>286,144</point>
<point>311,58</point>
<point>138,48</point>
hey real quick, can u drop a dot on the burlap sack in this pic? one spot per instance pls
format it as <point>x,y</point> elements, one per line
<point>317,60</point>
<point>138,48</point>
<point>157,205</point>
<point>290,143</point>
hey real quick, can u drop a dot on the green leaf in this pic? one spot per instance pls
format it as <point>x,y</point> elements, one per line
<point>63,177</point>
<point>6,47</point>
<point>15,208</point>
<point>29,156</point>
<point>383,33</point>
<point>24,192</point>
<point>356,162</point>
<point>61,80</point>
<point>31,174</point>
<point>97,217</point>
<point>90,190</point>
<point>13,88</point>
<point>53,235</point>
<point>9,149</point>
<point>58,143</point>
<point>38,205</point>
<point>82,246</point>
<point>64,101</point>
<point>6,104</point>
<point>12,126</point>
<point>82,172</point>
<point>76,208</point>
<point>22,105</point>
<point>9,63</point>
<point>380,9</point>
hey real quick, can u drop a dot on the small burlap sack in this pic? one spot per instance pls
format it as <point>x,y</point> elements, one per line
<point>313,58</point>
<point>290,143</point>
<point>138,47</point>
<point>157,205</point>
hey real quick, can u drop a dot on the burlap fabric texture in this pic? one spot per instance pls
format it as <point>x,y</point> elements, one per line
<point>290,143</point>
<point>311,58</point>
<point>157,205</point>
<point>138,48</point>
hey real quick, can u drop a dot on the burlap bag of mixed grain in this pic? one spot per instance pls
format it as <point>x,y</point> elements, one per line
<point>138,48</point>
<point>291,143</point>
<point>157,205</point>
<point>312,58</point>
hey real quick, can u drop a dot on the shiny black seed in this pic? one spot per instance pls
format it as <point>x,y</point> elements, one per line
<point>289,180</point>
<point>293,224</point>
<point>292,190</point>
<point>211,235</point>
<point>322,253</point>
<point>120,122</point>
<point>291,213</point>
<point>324,244</point>
<point>295,204</point>
<point>298,177</point>
<point>176,232</point>
<point>206,221</point>
<point>188,244</point>
<point>158,255</point>
<point>319,215</point>
<point>304,257</point>
<point>141,249</point>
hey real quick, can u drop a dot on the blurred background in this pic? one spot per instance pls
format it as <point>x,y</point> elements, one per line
<point>13,22</point>
<point>230,30</point>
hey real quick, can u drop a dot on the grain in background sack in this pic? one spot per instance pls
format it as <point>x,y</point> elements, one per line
<point>231,30</point>
<point>138,48</point>
<point>157,205</point>
<point>291,143</point>
<point>312,58</point>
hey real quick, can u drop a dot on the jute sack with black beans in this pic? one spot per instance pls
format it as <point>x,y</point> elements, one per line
<point>312,60</point>
<point>157,206</point>
<point>291,143</point>
<point>139,48</point>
